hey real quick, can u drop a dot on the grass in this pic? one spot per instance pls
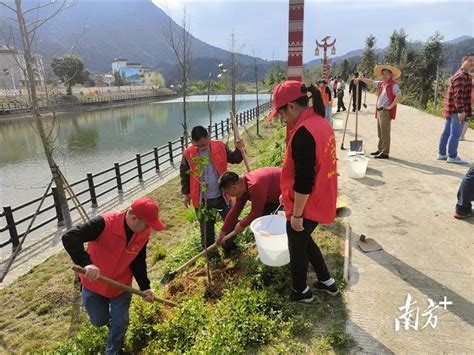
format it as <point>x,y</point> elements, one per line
<point>41,311</point>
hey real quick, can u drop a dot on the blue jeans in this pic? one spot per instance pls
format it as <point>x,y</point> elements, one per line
<point>112,312</point>
<point>450,136</point>
<point>466,193</point>
<point>328,109</point>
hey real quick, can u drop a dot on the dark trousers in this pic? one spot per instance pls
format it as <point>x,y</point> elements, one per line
<point>340,102</point>
<point>269,208</point>
<point>208,232</point>
<point>354,101</point>
<point>303,249</point>
<point>466,193</point>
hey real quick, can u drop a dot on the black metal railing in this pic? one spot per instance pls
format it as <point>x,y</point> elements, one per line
<point>95,186</point>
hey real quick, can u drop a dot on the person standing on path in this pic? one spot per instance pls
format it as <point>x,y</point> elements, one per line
<point>352,89</point>
<point>326,97</point>
<point>334,85</point>
<point>261,187</point>
<point>457,107</point>
<point>219,155</point>
<point>116,249</point>
<point>389,95</point>
<point>468,119</point>
<point>465,196</point>
<point>308,183</point>
<point>341,86</point>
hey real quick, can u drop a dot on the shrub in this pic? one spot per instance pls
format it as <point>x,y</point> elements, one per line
<point>159,254</point>
<point>180,332</point>
<point>89,340</point>
<point>143,317</point>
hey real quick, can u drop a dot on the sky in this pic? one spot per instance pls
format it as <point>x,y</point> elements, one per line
<point>261,27</point>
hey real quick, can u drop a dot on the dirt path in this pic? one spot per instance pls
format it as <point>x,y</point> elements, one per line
<point>406,204</point>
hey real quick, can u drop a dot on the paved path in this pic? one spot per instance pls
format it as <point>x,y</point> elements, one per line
<point>406,204</point>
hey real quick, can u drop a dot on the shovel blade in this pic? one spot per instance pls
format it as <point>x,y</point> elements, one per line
<point>356,146</point>
<point>167,278</point>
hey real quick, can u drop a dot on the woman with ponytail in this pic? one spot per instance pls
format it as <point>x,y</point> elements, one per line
<point>308,182</point>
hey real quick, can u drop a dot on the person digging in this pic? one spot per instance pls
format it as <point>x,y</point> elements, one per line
<point>389,94</point>
<point>116,249</point>
<point>219,156</point>
<point>261,187</point>
<point>308,183</point>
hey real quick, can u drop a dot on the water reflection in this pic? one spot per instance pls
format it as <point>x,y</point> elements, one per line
<point>91,141</point>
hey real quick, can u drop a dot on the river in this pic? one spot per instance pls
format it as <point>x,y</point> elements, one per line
<point>92,141</point>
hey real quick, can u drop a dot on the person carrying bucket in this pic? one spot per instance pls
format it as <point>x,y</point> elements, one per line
<point>219,156</point>
<point>389,94</point>
<point>117,250</point>
<point>261,187</point>
<point>308,183</point>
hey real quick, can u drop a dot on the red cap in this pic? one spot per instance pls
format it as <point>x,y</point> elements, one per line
<point>284,93</point>
<point>147,210</point>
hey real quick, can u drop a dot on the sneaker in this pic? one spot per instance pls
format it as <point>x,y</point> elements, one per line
<point>442,157</point>
<point>331,290</point>
<point>456,160</point>
<point>381,156</point>
<point>375,153</point>
<point>302,296</point>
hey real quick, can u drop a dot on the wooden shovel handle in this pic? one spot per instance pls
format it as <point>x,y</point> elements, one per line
<point>209,248</point>
<point>237,136</point>
<point>124,287</point>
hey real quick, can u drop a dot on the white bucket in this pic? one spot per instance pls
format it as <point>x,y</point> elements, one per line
<point>337,123</point>
<point>272,247</point>
<point>356,165</point>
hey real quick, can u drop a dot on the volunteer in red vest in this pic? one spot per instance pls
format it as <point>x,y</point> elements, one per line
<point>308,183</point>
<point>261,187</point>
<point>219,156</point>
<point>326,95</point>
<point>116,249</point>
<point>389,94</point>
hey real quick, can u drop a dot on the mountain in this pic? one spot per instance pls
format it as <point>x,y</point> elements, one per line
<point>100,31</point>
<point>453,52</point>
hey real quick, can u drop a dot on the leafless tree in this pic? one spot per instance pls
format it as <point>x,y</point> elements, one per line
<point>28,30</point>
<point>210,104</point>
<point>256,92</point>
<point>179,40</point>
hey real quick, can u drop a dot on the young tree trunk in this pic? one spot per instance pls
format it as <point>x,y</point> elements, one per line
<point>256,93</point>
<point>209,106</point>
<point>46,142</point>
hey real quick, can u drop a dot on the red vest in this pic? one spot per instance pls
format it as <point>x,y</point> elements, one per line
<point>218,155</point>
<point>321,205</point>
<point>391,96</point>
<point>111,254</point>
<point>325,96</point>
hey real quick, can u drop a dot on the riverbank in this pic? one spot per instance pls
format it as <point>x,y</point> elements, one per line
<point>70,104</point>
<point>49,312</point>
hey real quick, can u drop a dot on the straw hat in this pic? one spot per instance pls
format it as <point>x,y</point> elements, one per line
<point>394,70</point>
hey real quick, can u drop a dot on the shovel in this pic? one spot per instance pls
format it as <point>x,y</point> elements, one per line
<point>117,284</point>
<point>347,119</point>
<point>368,245</point>
<point>356,145</point>
<point>169,276</point>
<point>237,137</point>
